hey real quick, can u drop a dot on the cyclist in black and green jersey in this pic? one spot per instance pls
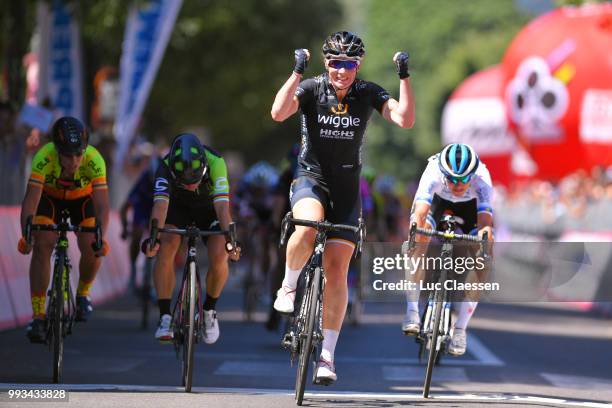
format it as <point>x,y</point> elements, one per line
<point>191,187</point>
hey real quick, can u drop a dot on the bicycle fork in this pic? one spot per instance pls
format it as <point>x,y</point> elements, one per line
<point>445,321</point>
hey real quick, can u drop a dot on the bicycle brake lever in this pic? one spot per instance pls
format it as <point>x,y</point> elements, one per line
<point>284,229</point>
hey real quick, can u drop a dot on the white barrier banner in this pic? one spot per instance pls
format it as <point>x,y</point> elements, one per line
<point>147,33</point>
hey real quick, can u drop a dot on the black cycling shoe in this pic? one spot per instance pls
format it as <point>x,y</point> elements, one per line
<point>84,308</point>
<point>37,331</point>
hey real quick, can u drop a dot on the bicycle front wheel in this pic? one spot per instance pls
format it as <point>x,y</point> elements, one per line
<point>57,318</point>
<point>310,315</point>
<point>433,352</point>
<point>189,327</point>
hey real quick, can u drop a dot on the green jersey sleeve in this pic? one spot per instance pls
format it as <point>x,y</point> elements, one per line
<point>218,176</point>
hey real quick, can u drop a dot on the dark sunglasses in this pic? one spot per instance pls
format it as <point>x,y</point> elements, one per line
<point>346,64</point>
<point>457,180</point>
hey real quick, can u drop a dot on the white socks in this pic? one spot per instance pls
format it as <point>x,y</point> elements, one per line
<point>464,313</point>
<point>412,306</point>
<point>291,277</point>
<point>330,338</point>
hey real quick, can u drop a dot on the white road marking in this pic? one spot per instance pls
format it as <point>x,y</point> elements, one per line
<point>445,396</point>
<point>441,374</point>
<point>482,353</point>
<point>578,382</point>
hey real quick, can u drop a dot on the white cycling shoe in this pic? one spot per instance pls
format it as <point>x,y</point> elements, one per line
<point>285,299</point>
<point>164,333</point>
<point>411,325</point>
<point>326,372</point>
<point>458,343</point>
<point>211,327</point>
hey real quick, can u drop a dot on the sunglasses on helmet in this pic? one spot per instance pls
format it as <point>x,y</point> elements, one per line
<point>346,64</point>
<point>457,180</point>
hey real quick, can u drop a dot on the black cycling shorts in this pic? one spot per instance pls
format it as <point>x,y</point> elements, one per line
<point>200,212</point>
<point>79,209</point>
<point>338,209</point>
<point>465,213</point>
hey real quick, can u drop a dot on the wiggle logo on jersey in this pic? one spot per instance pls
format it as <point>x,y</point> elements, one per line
<point>339,121</point>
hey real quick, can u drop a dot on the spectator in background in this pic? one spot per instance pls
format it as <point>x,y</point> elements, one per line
<point>12,156</point>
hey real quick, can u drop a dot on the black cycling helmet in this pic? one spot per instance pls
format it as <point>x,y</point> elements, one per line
<point>69,136</point>
<point>187,159</point>
<point>343,44</point>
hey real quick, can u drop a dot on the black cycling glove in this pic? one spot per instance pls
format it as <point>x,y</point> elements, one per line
<point>301,60</point>
<point>401,62</point>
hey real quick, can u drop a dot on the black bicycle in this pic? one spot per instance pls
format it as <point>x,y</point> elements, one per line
<point>186,326</point>
<point>305,336</point>
<point>61,309</point>
<point>434,334</point>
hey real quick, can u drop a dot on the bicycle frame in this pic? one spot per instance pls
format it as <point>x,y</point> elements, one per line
<point>61,309</point>
<point>305,335</point>
<point>184,322</point>
<point>436,320</point>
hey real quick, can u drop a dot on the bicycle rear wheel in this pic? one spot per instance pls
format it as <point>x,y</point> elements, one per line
<point>435,330</point>
<point>189,327</point>
<point>306,337</point>
<point>57,318</point>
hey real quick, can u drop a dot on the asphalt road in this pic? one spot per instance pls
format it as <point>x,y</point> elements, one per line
<point>524,355</point>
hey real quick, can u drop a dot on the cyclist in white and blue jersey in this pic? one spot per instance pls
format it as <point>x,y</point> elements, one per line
<point>455,182</point>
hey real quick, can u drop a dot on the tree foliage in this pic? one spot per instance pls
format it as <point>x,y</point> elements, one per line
<point>447,41</point>
<point>224,64</point>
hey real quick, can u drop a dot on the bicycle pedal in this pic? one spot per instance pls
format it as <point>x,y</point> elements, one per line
<point>287,341</point>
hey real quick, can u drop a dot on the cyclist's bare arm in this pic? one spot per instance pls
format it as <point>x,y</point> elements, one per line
<point>101,207</point>
<point>485,224</point>
<point>222,209</point>
<point>419,215</point>
<point>159,212</point>
<point>401,112</point>
<point>286,103</point>
<point>30,203</point>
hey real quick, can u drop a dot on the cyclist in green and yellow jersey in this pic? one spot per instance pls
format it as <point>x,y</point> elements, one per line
<point>67,174</point>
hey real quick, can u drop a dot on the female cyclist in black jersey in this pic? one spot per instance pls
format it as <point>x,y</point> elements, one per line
<point>335,108</point>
